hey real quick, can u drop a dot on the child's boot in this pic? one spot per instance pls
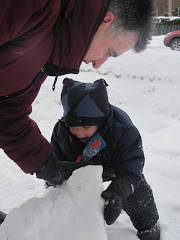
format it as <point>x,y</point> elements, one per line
<point>151,234</point>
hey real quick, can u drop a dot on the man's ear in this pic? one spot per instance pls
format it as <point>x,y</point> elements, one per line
<point>109,18</point>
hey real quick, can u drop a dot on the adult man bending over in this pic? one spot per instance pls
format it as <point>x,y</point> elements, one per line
<point>53,37</point>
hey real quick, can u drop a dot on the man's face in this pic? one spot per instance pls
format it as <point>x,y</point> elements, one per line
<point>84,133</point>
<point>104,45</point>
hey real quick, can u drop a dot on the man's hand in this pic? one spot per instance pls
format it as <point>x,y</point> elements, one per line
<point>56,171</point>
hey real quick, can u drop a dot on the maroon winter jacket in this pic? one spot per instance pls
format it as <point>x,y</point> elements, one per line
<point>29,31</point>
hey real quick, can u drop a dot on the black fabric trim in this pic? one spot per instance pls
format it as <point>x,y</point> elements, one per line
<point>105,11</point>
<point>51,69</point>
<point>21,92</point>
<point>83,121</point>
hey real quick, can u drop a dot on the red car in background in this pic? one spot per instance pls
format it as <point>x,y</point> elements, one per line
<point>172,40</point>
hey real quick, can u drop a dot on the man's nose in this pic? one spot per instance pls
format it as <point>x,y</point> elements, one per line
<point>97,63</point>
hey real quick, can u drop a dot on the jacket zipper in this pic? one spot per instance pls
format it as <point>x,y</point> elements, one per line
<point>23,91</point>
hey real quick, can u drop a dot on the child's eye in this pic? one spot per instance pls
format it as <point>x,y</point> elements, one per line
<point>86,127</point>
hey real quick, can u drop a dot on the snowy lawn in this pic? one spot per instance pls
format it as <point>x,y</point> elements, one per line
<point>147,87</point>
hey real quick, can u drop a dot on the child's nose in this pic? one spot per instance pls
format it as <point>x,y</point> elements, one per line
<point>80,133</point>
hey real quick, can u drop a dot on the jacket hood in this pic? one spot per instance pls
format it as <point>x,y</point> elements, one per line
<point>76,33</point>
<point>84,104</point>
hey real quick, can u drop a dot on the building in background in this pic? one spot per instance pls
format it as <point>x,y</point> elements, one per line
<point>168,7</point>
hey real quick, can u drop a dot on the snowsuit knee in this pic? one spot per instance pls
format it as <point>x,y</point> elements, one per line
<point>141,207</point>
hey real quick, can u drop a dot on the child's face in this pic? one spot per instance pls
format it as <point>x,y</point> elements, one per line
<point>84,133</point>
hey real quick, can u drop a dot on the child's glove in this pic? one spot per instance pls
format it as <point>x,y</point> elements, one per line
<point>113,204</point>
<point>119,189</point>
<point>56,171</point>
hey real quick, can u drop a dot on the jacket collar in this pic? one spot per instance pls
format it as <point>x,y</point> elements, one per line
<point>74,39</point>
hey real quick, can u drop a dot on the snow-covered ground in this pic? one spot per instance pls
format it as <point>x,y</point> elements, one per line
<point>147,87</point>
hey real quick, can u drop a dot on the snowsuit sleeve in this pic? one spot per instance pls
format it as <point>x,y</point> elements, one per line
<point>57,133</point>
<point>128,157</point>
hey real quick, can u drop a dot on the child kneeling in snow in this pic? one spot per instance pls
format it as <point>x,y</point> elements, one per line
<point>92,129</point>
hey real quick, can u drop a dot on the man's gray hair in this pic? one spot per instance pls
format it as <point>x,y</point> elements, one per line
<point>134,16</point>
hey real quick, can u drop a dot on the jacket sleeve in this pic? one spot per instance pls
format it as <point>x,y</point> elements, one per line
<point>20,137</point>
<point>129,156</point>
<point>55,141</point>
<point>14,15</point>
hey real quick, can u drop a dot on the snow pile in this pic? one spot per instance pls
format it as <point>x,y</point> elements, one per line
<point>74,209</point>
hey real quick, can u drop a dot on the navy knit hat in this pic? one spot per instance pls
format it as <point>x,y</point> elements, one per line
<point>84,104</point>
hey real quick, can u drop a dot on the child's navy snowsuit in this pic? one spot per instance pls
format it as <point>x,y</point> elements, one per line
<point>123,154</point>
